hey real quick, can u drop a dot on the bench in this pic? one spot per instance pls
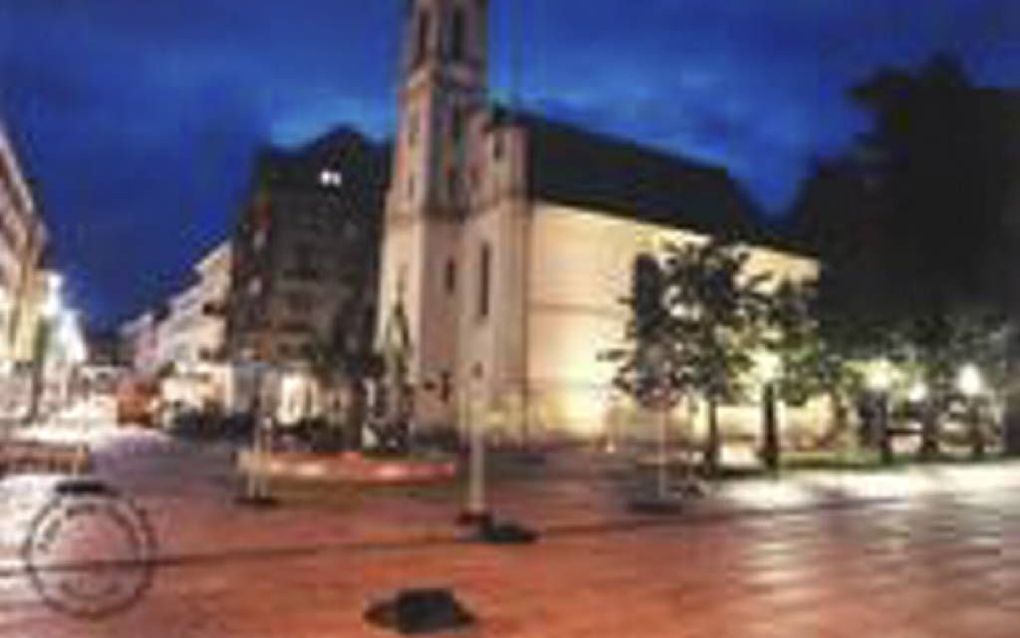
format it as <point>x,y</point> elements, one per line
<point>33,456</point>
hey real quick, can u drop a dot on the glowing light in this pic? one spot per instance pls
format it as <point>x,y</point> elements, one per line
<point>331,178</point>
<point>768,365</point>
<point>880,376</point>
<point>969,381</point>
<point>918,392</point>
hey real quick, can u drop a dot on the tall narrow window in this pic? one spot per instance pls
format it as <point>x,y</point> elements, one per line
<point>450,277</point>
<point>422,38</point>
<point>445,386</point>
<point>412,128</point>
<point>453,184</point>
<point>458,30</point>
<point>456,125</point>
<point>484,281</point>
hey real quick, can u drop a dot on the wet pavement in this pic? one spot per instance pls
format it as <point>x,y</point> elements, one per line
<point>932,552</point>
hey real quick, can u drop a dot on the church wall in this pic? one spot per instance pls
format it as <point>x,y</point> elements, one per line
<point>491,375</point>
<point>580,270</point>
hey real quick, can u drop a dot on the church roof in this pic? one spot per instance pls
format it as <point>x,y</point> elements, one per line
<point>572,166</point>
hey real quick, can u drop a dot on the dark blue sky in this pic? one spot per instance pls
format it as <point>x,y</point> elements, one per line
<point>138,118</point>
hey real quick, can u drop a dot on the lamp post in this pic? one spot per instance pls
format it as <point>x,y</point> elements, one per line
<point>880,380</point>
<point>256,493</point>
<point>476,511</point>
<point>921,398</point>
<point>971,385</point>
<point>48,312</point>
<point>769,367</point>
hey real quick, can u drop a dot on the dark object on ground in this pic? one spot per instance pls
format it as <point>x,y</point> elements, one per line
<point>420,611</point>
<point>656,506</point>
<point>474,519</point>
<point>442,439</point>
<point>257,502</point>
<point>84,487</point>
<point>505,533</point>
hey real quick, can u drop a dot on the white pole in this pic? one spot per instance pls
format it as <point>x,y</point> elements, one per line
<point>476,486</point>
<point>663,457</point>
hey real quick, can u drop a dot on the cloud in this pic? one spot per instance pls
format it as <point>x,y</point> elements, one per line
<point>139,119</point>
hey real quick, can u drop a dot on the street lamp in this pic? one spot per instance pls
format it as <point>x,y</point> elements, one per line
<point>476,511</point>
<point>257,492</point>
<point>918,393</point>
<point>971,386</point>
<point>880,380</point>
<point>49,309</point>
<point>769,368</point>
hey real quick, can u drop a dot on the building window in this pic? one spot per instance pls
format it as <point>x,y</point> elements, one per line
<point>458,31</point>
<point>450,276</point>
<point>484,281</point>
<point>456,125</point>
<point>412,129</point>
<point>422,39</point>
<point>452,183</point>
<point>331,178</point>
<point>498,146</point>
<point>445,386</point>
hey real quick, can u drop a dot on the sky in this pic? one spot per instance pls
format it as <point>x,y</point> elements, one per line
<point>137,121</point>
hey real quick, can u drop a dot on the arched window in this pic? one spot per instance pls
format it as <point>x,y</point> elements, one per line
<point>456,124</point>
<point>484,281</point>
<point>422,37</point>
<point>458,34</point>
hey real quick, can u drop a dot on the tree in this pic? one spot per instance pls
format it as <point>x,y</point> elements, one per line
<point>915,222</point>
<point>695,315</point>
<point>345,361</point>
<point>646,364</point>
<point>40,349</point>
<point>937,347</point>
<point>815,355</point>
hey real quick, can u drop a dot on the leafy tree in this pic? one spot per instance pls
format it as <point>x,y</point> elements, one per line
<point>694,324</point>
<point>816,355</point>
<point>344,362</point>
<point>936,347</point>
<point>914,222</point>
<point>41,343</point>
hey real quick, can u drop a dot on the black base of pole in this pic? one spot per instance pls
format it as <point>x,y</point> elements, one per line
<point>657,506</point>
<point>467,518</point>
<point>257,502</point>
<point>492,532</point>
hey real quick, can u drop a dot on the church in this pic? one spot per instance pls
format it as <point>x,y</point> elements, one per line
<point>510,239</point>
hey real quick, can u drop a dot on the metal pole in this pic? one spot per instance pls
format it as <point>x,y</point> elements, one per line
<point>663,456</point>
<point>885,438</point>
<point>255,459</point>
<point>771,443</point>
<point>476,487</point>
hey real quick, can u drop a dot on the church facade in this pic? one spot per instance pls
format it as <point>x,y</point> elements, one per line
<point>510,239</point>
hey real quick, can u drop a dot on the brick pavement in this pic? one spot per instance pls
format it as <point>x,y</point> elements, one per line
<point>930,553</point>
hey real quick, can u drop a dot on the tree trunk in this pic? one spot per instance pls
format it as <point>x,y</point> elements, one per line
<point>885,443</point>
<point>977,435</point>
<point>1011,414</point>
<point>770,429</point>
<point>714,442</point>
<point>356,414</point>
<point>39,347</point>
<point>35,392</point>
<point>930,429</point>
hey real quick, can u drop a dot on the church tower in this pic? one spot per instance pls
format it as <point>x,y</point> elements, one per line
<point>443,88</point>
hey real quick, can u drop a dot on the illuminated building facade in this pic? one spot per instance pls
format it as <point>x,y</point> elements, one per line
<point>22,240</point>
<point>306,245</point>
<point>510,239</point>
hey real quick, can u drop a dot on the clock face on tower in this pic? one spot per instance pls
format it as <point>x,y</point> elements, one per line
<point>331,178</point>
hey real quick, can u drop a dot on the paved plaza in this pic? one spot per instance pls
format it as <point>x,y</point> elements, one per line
<point>930,552</point>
